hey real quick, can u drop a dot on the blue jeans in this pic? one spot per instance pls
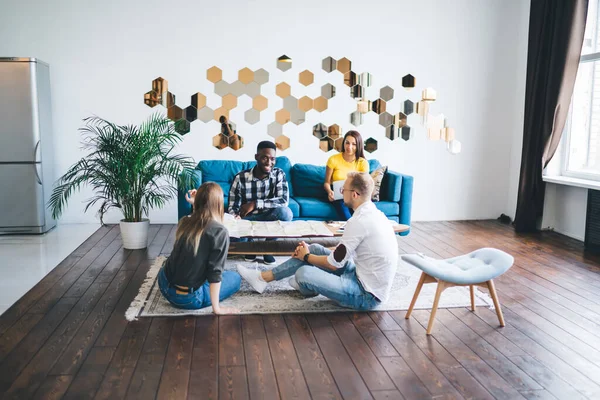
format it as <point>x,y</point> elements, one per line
<point>344,213</point>
<point>230,284</point>
<point>341,286</point>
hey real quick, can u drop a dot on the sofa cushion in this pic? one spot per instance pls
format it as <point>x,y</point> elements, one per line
<point>377,176</point>
<point>373,165</point>
<point>315,208</point>
<point>295,207</point>
<point>308,181</point>
<point>391,186</point>
<point>389,208</point>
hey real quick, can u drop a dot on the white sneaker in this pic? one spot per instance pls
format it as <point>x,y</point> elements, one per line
<point>252,276</point>
<point>292,282</point>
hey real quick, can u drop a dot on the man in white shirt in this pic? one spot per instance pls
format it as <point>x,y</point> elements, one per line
<point>359,272</point>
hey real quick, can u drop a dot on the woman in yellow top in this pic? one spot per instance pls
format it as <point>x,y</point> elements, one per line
<point>338,166</point>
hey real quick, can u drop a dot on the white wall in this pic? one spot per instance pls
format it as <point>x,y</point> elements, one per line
<point>565,210</point>
<point>104,55</point>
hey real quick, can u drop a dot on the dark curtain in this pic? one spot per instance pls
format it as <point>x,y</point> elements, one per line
<point>556,29</point>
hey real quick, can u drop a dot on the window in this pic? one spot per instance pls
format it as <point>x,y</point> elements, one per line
<point>581,141</point>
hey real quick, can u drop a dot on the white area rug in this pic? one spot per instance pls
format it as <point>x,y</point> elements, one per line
<point>280,298</point>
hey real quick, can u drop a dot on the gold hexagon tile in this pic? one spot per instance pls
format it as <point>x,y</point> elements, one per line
<point>370,145</point>
<point>422,108</point>
<point>252,116</point>
<point>429,94</point>
<point>261,76</point>
<point>282,116</point>
<point>400,120</point>
<point>236,142</point>
<point>305,104</point>
<point>160,86</point>
<point>174,113</point>
<point>320,104</point>
<point>319,131</point>
<point>260,103</point>
<point>198,100</point>
<point>338,144</point>
<point>364,106</point>
<point>357,91</point>
<point>328,91</point>
<point>219,112</point>
<point>325,144</point>
<point>379,106</point>
<point>220,141</point>
<point>284,63</point>
<point>283,90</point>
<point>329,64</point>
<point>246,75</point>
<point>151,99</point>
<point>282,142</point>
<point>275,129</point>
<point>306,77</point>
<point>391,132</point>
<point>229,101</point>
<point>206,114</point>
<point>344,65</point>
<point>214,74</point>
<point>333,131</point>
<point>350,79</point>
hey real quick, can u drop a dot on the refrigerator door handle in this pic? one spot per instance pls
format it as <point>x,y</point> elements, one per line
<point>37,174</point>
<point>35,152</point>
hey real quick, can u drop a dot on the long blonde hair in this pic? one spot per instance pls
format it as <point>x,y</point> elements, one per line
<point>208,206</point>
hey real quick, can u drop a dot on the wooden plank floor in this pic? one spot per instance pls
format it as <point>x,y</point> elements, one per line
<point>68,338</point>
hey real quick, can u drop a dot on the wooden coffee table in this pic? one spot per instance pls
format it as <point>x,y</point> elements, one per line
<point>286,246</point>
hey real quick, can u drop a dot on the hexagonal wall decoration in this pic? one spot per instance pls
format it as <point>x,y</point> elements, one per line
<point>229,101</point>
<point>305,104</point>
<point>379,106</point>
<point>326,144</point>
<point>344,65</point>
<point>220,141</point>
<point>386,93</point>
<point>320,104</point>
<point>245,75</point>
<point>167,99</point>
<point>365,79</point>
<point>283,90</point>
<point>391,132</point>
<point>306,77</point>
<point>333,131</point>
<point>297,116</point>
<point>356,118</point>
<point>405,132</point>
<point>408,81</point>
<point>222,88</point>
<point>284,63</point>
<point>282,116</point>
<point>252,90</point>
<point>400,120</point>
<point>328,91</point>
<point>174,113</point>
<point>320,131</point>
<point>350,79</point>
<point>214,74</point>
<point>252,116</point>
<point>198,100</point>
<point>260,103</point>
<point>237,88</point>
<point>275,129</point>
<point>160,86</point>
<point>290,103</point>
<point>219,112</point>
<point>236,142</point>
<point>357,91</point>
<point>206,114</point>
<point>370,145</point>
<point>282,142</point>
<point>191,113</point>
<point>329,64</point>
<point>429,94</point>
<point>261,76</point>
<point>151,99</point>
<point>408,107</point>
<point>385,119</point>
<point>182,126</point>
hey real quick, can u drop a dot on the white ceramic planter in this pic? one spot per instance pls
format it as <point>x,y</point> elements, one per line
<point>135,234</point>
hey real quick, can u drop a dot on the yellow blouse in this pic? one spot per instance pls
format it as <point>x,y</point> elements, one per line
<point>341,167</point>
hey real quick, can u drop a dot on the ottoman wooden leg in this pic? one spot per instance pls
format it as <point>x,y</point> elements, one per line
<point>492,289</point>
<point>472,297</point>
<point>416,295</point>
<point>440,288</point>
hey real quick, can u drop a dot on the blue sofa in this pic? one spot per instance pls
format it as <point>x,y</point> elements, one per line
<point>307,197</point>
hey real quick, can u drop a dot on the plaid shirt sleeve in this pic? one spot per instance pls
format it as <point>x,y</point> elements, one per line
<point>281,197</point>
<point>235,196</point>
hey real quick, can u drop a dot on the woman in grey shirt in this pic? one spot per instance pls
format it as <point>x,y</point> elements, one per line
<point>193,277</point>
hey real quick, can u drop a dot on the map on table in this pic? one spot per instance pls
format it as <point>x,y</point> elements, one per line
<point>242,228</point>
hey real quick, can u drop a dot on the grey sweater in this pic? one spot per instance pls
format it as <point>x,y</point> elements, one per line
<point>183,268</point>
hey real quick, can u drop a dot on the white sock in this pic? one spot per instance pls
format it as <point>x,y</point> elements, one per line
<point>253,277</point>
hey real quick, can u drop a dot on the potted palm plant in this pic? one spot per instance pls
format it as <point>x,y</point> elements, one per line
<point>129,167</point>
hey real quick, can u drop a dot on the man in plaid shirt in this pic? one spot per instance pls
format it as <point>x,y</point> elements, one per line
<point>261,193</point>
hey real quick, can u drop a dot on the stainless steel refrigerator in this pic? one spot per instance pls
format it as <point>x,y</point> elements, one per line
<point>26,148</point>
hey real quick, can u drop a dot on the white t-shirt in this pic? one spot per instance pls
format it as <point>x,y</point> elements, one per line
<point>371,243</point>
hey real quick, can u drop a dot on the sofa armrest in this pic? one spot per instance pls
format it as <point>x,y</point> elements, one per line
<point>400,189</point>
<point>183,207</point>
